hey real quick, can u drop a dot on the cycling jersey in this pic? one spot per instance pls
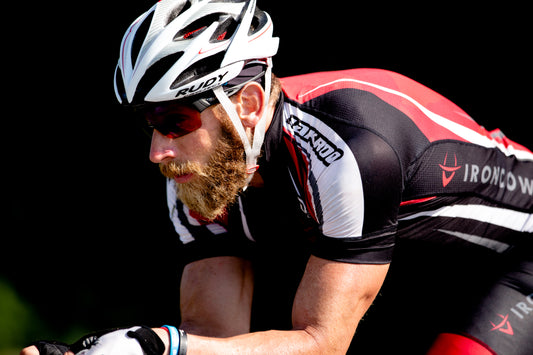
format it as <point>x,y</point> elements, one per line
<point>358,161</point>
<point>355,159</point>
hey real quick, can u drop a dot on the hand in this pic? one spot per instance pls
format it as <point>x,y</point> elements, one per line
<point>30,350</point>
<point>47,348</point>
<point>132,341</point>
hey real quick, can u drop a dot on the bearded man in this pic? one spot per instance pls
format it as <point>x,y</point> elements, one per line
<point>337,171</point>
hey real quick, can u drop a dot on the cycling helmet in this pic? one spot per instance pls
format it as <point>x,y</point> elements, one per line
<point>181,48</point>
<point>196,49</point>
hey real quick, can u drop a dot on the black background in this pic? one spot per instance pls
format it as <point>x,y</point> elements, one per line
<point>86,239</point>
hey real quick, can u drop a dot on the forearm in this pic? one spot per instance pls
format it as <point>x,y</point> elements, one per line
<point>330,301</point>
<point>268,343</point>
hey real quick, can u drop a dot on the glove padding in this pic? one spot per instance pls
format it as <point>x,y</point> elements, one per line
<point>51,347</point>
<point>132,341</point>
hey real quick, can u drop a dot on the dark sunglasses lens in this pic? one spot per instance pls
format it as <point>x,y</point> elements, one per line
<point>174,121</point>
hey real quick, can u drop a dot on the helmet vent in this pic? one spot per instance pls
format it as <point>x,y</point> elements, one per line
<point>196,27</point>
<point>225,30</point>
<point>139,38</point>
<point>154,74</point>
<point>259,20</point>
<point>121,91</point>
<point>178,11</point>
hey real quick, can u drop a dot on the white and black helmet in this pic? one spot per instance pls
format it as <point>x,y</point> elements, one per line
<point>200,51</point>
<point>181,48</point>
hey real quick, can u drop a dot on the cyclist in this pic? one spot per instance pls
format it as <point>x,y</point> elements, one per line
<point>336,169</point>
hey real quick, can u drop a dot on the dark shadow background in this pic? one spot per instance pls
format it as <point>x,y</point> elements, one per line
<point>86,242</point>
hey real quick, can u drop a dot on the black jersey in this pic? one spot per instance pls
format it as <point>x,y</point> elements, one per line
<point>354,159</point>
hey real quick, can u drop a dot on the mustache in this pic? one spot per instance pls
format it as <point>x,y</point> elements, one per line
<point>176,168</point>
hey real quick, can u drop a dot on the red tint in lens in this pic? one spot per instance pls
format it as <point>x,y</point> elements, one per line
<point>173,120</point>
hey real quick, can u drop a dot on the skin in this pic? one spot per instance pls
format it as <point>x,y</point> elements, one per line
<point>329,303</point>
<point>216,293</point>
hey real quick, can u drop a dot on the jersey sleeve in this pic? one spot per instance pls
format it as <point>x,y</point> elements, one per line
<point>360,195</point>
<point>351,180</point>
<point>200,239</point>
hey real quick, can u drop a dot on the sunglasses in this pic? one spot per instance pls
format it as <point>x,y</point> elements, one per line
<point>173,120</point>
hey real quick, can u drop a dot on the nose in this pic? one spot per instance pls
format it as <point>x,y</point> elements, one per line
<point>161,148</point>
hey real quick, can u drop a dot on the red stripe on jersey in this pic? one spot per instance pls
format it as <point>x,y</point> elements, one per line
<point>395,89</point>
<point>499,137</point>
<point>302,169</point>
<point>418,200</point>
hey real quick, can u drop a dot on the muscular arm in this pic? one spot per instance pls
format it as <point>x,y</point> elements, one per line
<point>216,303</point>
<point>216,297</point>
<point>329,303</point>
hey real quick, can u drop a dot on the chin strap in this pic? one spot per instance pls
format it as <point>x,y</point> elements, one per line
<point>251,151</point>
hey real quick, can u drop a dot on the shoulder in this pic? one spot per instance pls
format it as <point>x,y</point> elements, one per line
<point>302,88</point>
<point>341,168</point>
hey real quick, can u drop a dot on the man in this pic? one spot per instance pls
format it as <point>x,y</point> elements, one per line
<point>329,168</point>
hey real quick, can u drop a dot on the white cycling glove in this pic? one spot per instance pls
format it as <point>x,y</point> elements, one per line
<point>132,341</point>
<point>123,342</point>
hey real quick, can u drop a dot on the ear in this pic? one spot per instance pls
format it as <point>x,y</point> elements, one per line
<point>251,104</point>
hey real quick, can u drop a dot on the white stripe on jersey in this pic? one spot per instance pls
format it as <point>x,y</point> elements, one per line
<point>183,233</point>
<point>515,220</point>
<point>340,188</point>
<point>495,245</point>
<point>461,131</point>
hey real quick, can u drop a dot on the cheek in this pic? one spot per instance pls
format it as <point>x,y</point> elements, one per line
<point>209,133</point>
<point>198,146</point>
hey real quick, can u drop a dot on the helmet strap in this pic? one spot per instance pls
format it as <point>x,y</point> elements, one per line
<point>253,150</point>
